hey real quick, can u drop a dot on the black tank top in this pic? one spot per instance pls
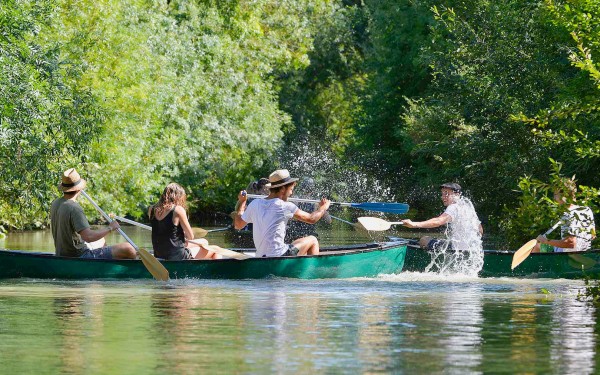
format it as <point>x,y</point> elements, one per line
<point>168,239</point>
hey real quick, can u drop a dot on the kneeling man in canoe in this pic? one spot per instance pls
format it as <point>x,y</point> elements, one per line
<point>269,217</point>
<point>71,230</point>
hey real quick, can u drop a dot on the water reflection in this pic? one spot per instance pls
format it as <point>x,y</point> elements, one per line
<point>290,326</point>
<point>462,327</point>
<point>573,337</point>
<point>69,325</point>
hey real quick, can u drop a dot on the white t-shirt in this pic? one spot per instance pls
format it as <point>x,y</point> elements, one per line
<point>464,226</point>
<point>578,221</point>
<point>269,218</point>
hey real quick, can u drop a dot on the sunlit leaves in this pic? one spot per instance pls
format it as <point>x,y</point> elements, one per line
<point>45,122</point>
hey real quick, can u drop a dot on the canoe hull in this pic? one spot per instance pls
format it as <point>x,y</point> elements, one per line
<point>574,265</point>
<point>336,262</point>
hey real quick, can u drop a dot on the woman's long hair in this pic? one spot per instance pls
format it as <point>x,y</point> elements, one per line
<point>174,194</point>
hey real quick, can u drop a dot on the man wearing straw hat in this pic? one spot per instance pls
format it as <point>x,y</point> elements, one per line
<point>270,216</point>
<point>71,230</point>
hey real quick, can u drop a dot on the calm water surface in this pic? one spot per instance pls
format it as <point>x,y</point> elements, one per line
<point>406,323</point>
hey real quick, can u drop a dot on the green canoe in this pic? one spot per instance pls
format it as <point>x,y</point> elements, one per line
<point>365,260</point>
<point>496,263</point>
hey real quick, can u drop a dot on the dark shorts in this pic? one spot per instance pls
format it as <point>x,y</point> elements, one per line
<point>437,244</point>
<point>101,253</point>
<point>187,254</point>
<point>184,254</point>
<point>292,251</point>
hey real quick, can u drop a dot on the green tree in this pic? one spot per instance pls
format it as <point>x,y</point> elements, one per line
<point>484,73</point>
<point>45,119</point>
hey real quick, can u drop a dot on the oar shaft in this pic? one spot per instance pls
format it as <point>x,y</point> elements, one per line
<point>291,199</point>
<point>219,229</point>
<point>148,227</point>
<point>552,229</point>
<point>342,220</point>
<point>107,218</point>
<point>124,220</point>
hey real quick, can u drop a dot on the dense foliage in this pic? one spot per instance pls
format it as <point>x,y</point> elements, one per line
<point>46,119</point>
<point>413,93</point>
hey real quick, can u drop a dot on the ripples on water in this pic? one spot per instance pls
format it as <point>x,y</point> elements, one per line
<point>405,323</point>
<point>411,322</point>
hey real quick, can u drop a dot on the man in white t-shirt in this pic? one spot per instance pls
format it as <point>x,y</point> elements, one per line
<point>269,217</point>
<point>465,227</point>
<point>577,223</point>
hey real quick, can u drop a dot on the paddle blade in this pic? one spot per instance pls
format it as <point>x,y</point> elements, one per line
<point>226,252</point>
<point>199,232</point>
<point>522,254</point>
<point>374,223</point>
<point>158,271</point>
<point>392,208</point>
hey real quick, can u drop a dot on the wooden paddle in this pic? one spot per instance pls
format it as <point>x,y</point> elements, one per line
<point>158,271</point>
<point>219,250</point>
<point>524,251</point>
<point>216,249</point>
<point>393,208</point>
<point>198,232</point>
<point>376,224</point>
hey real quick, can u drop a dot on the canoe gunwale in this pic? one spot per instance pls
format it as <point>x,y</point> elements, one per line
<point>368,260</point>
<point>328,251</point>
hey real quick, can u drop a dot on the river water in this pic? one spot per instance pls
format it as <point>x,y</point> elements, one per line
<point>406,323</point>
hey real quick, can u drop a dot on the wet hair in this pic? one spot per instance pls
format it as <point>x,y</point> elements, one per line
<point>174,194</point>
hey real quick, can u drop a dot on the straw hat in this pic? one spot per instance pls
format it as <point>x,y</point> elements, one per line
<point>281,177</point>
<point>71,181</point>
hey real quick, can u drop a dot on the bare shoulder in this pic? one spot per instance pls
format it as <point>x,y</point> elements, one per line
<point>180,211</point>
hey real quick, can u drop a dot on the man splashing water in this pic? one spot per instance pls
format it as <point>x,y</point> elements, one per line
<point>461,251</point>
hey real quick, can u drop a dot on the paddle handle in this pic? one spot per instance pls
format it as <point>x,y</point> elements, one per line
<point>219,229</point>
<point>107,218</point>
<point>552,229</point>
<point>302,200</point>
<point>342,220</point>
<point>147,227</point>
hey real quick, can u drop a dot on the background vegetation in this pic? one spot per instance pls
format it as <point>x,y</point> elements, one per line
<point>498,96</point>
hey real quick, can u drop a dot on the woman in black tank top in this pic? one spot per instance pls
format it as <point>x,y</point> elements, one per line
<point>171,229</point>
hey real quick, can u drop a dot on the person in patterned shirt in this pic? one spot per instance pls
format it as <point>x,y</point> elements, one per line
<point>577,223</point>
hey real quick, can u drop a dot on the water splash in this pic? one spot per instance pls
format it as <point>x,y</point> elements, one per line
<point>466,253</point>
<point>329,177</point>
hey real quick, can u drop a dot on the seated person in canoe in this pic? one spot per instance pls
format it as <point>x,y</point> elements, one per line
<point>577,228</point>
<point>172,234</point>
<point>71,230</point>
<point>269,217</point>
<point>465,229</point>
